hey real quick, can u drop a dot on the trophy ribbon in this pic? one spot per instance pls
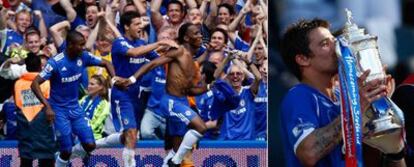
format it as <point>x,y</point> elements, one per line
<point>350,105</point>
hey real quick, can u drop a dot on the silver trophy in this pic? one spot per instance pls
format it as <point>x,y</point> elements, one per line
<point>365,50</point>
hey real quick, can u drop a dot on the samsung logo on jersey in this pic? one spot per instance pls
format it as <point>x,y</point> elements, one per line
<point>125,43</point>
<point>260,100</point>
<point>71,78</point>
<point>159,80</point>
<point>136,60</point>
<point>238,112</point>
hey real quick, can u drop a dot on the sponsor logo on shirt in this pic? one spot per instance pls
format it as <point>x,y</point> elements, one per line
<point>136,60</point>
<point>71,78</point>
<point>160,80</point>
<point>125,43</point>
<point>260,100</point>
<point>239,111</point>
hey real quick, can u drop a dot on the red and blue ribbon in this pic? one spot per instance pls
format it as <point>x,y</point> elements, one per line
<point>350,106</point>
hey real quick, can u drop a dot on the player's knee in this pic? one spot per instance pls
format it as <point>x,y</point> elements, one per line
<point>131,135</point>
<point>89,147</point>
<point>202,128</point>
<point>147,133</point>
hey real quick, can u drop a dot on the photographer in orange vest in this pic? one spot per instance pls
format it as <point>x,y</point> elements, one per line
<point>34,133</point>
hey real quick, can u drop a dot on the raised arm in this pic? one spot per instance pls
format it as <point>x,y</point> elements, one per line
<point>156,16</point>
<point>56,32</point>
<point>257,77</point>
<point>111,10</point>
<point>111,26</point>
<point>3,18</point>
<point>191,4</point>
<point>70,12</point>
<point>42,25</point>
<point>246,9</point>
<point>141,8</point>
<point>220,67</point>
<point>203,8</point>
<point>94,34</point>
<point>211,18</point>
<point>254,44</point>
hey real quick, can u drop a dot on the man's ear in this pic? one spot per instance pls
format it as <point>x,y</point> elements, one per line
<point>126,28</point>
<point>186,38</point>
<point>302,60</point>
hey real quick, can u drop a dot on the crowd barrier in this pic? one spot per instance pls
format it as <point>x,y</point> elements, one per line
<point>151,153</point>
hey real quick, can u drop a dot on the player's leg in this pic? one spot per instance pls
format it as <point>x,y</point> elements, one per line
<point>191,137</point>
<point>63,131</point>
<point>148,125</point>
<point>181,118</point>
<point>83,130</point>
<point>124,121</point>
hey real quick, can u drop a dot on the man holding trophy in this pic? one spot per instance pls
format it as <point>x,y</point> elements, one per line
<point>343,100</point>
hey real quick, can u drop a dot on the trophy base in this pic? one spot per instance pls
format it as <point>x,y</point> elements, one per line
<point>384,125</point>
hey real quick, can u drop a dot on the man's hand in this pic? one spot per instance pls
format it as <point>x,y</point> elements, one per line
<point>120,82</point>
<point>145,21</point>
<point>38,14</point>
<point>370,91</point>
<point>50,114</point>
<point>169,43</point>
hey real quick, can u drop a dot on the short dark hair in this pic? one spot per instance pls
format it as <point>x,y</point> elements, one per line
<point>224,32</point>
<point>296,41</point>
<point>182,32</point>
<point>33,63</point>
<point>228,7</point>
<point>208,70</point>
<point>30,31</point>
<point>175,2</point>
<point>126,18</point>
<point>73,36</point>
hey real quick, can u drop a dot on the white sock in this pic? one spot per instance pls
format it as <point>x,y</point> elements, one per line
<point>77,151</point>
<point>60,162</point>
<point>190,138</point>
<point>110,140</point>
<point>128,155</point>
<point>170,154</point>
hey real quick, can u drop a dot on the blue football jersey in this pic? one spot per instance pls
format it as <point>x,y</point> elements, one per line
<point>65,76</point>
<point>239,124</point>
<point>12,37</point>
<point>125,66</point>
<point>158,90</point>
<point>261,110</point>
<point>305,109</point>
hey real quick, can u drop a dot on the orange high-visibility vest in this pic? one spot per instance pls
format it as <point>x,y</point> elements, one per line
<point>25,99</point>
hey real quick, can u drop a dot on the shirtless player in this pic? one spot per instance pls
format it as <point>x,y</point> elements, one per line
<point>181,74</point>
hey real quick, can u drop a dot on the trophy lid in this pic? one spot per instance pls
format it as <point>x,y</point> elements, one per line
<point>351,31</point>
